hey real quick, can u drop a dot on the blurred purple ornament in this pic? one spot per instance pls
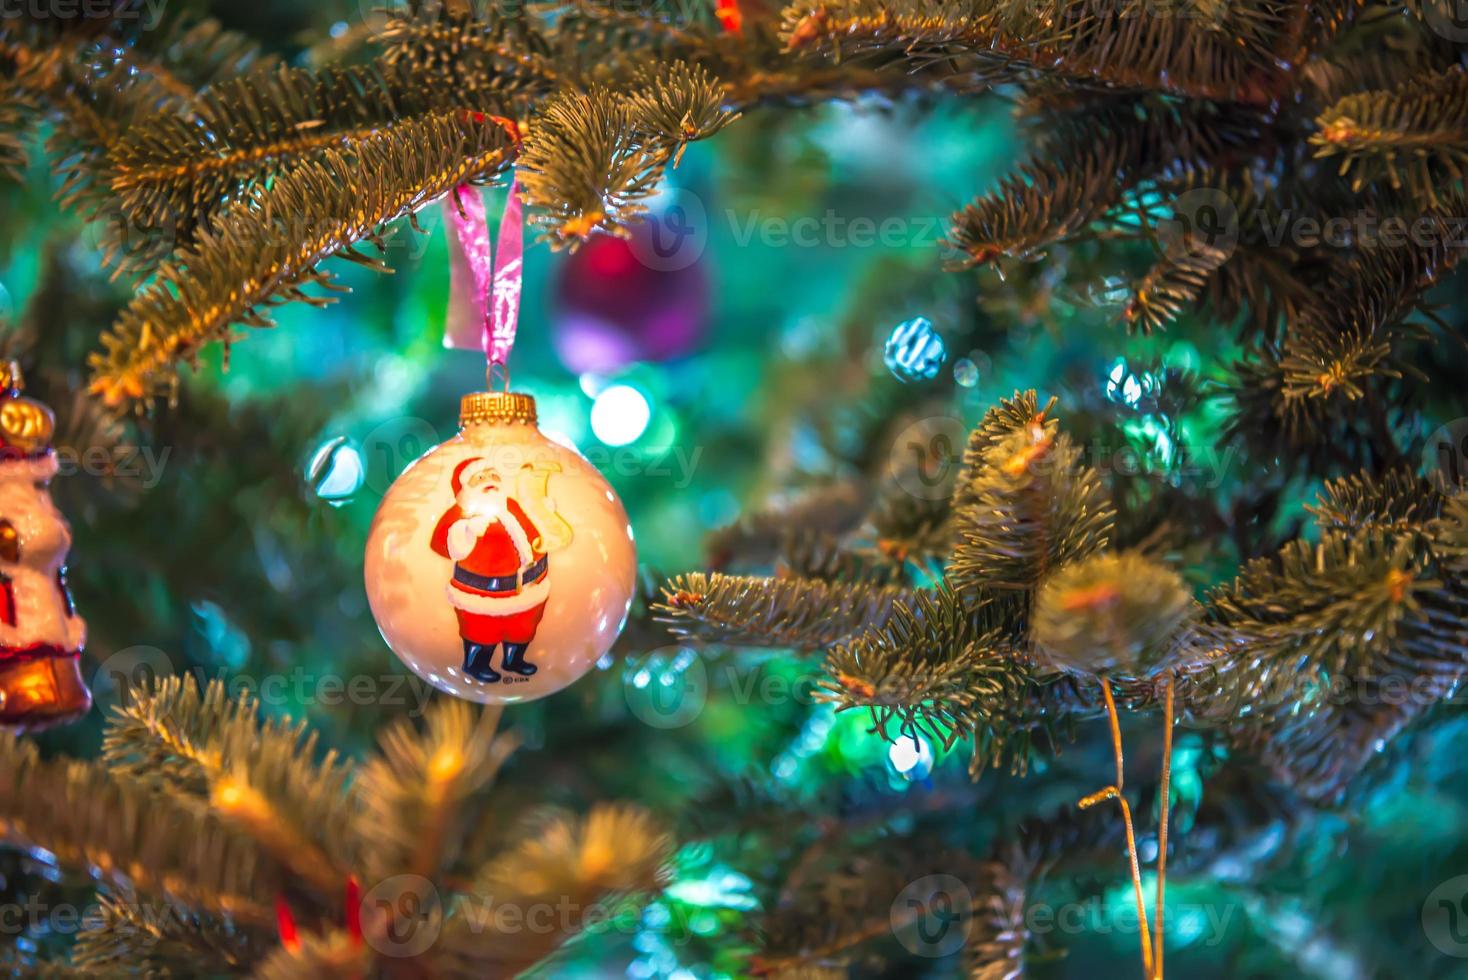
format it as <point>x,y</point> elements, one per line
<point>611,308</point>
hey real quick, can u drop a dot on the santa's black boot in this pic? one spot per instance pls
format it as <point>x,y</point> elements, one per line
<point>515,659</point>
<point>479,661</point>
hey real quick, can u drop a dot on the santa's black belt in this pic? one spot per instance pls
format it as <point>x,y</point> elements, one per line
<point>504,583</point>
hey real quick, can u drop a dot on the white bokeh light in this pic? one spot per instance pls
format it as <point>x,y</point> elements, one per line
<point>621,414</point>
<point>336,471</point>
<point>910,756</point>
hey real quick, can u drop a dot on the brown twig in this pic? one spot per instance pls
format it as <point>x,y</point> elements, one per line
<point>1162,827</point>
<point>1113,792</point>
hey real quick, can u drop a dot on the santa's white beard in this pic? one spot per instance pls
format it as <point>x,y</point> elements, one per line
<point>474,501</point>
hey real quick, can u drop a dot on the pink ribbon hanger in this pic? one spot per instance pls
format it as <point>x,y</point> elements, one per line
<point>484,283</point>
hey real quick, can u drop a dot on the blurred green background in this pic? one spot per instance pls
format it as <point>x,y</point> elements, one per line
<point>235,551</point>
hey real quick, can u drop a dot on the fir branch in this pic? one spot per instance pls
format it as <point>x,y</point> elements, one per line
<point>265,248</point>
<point>1267,282</point>
<point>601,39</point>
<point>1296,432</point>
<point>252,812</point>
<point>1312,639</point>
<point>1396,501</point>
<point>582,169</point>
<point>172,171</point>
<point>1346,343</point>
<point>1380,285</point>
<point>18,113</point>
<point>910,530</point>
<point>131,936</point>
<point>1088,162</point>
<point>592,156</point>
<point>1328,80</point>
<point>763,535</point>
<point>1448,535</point>
<point>492,58</point>
<point>995,946</point>
<point>131,836</point>
<point>1319,751</point>
<point>169,736</point>
<point>187,54</point>
<point>1000,422</point>
<point>413,795</point>
<point>832,918</point>
<point>676,103</point>
<point>566,873</point>
<point>1042,204</point>
<point>816,556</point>
<point>772,612</point>
<point>1030,507</point>
<point>1415,135</point>
<point>1172,286</point>
<point>1323,362</point>
<point>91,107</point>
<point>262,779</point>
<point>1228,58</point>
<point>94,101</point>
<point>933,668</point>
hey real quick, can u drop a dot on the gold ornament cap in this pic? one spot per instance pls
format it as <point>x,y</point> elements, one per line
<point>496,407</point>
<point>26,425</point>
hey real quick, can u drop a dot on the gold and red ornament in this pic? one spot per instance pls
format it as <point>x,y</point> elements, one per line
<point>500,566</point>
<point>41,636</point>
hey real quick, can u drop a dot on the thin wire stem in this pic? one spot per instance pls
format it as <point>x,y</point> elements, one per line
<point>1115,734</point>
<point>1131,850</point>
<point>1114,792</point>
<point>1167,711</point>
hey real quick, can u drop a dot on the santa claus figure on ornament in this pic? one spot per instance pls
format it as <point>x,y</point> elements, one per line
<point>41,636</point>
<point>501,570</point>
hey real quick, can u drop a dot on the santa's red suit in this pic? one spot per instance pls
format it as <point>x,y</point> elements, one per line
<point>491,541</point>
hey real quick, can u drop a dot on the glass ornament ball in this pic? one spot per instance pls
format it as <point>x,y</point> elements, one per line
<point>617,301</point>
<point>500,565</point>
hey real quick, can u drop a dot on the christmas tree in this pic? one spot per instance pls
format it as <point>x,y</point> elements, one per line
<point>1042,426</point>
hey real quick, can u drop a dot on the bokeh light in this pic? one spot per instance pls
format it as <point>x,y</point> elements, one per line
<point>620,415</point>
<point>336,472</point>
